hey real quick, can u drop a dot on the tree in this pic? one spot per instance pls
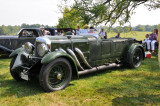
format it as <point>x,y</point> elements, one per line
<point>70,19</point>
<point>139,28</point>
<point>4,30</point>
<point>148,28</point>
<point>109,11</point>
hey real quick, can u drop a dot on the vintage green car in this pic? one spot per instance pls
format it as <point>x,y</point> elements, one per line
<point>56,59</point>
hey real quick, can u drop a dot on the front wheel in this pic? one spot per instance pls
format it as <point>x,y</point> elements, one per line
<point>14,73</point>
<point>136,58</point>
<point>55,75</point>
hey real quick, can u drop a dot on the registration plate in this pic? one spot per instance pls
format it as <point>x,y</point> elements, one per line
<point>24,76</point>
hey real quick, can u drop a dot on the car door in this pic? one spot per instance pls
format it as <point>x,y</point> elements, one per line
<point>7,41</point>
<point>118,47</point>
<point>106,48</point>
<point>95,52</point>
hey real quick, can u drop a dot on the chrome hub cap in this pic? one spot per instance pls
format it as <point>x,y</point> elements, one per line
<point>137,58</point>
<point>59,76</point>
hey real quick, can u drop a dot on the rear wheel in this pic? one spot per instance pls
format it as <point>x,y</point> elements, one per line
<point>136,58</point>
<point>14,74</point>
<point>55,75</point>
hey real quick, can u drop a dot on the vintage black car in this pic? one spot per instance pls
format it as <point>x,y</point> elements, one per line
<point>57,59</point>
<point>10,43</point>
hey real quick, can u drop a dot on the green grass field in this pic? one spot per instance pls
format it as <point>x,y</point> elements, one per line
<point>119,86</point>
<point>133,34</point>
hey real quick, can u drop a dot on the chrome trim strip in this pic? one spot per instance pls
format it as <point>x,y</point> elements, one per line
<point>6,49</point>
<point>82,57</point>
<point>60,49</point>
<point>74,56</point>
<point>19,31</point>
<point>43,40</point>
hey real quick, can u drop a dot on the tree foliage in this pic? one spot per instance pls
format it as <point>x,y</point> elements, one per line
<point>71,18</point>
<point>109,11</point>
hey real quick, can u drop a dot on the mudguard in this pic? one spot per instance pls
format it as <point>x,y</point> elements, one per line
<point>133,47</point>
<point>54,55</point>
<point>17,51</point>
<point>21,59</point>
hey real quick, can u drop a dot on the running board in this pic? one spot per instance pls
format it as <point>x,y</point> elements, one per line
<point>99,68</point>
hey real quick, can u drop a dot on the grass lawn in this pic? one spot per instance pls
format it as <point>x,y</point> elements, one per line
<point>119,86</point>
<point>133,34</point>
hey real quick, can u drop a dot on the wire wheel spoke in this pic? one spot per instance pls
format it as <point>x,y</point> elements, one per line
<point>57,75</point>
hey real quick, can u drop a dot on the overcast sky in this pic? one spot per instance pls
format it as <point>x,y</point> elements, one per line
<point>16,12</point>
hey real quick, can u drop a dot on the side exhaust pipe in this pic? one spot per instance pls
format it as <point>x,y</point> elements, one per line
<point>74,56</point>
<point>82,57</point>
<point>99,68</point>
<point>60,49</point>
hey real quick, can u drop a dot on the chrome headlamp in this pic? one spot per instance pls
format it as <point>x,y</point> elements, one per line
<point>28,47</point>
<point>44,45</point>
<point>42,49</point>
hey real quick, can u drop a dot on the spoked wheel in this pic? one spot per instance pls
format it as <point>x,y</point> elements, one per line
<point>55,75</point>
<point>136,58</point>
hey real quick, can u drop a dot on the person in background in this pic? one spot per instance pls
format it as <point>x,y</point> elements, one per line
<point>61,33</point>
<point>45,32</point>
<point>118,35</point>
<point>103,34</point>
<point>153,39</point>
<point>92,32</point>
<point>158,39</point>
<point>42,29</point>
<point>78,30</point>
<point>147,42</point>
<point>147,38</point>
<point>24,33</point>
<point>73,32</point>
<point>85,30</point>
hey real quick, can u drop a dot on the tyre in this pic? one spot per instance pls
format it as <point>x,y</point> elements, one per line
<point>55,75</point>
<point>135,59</point>
<point>14,74</point>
